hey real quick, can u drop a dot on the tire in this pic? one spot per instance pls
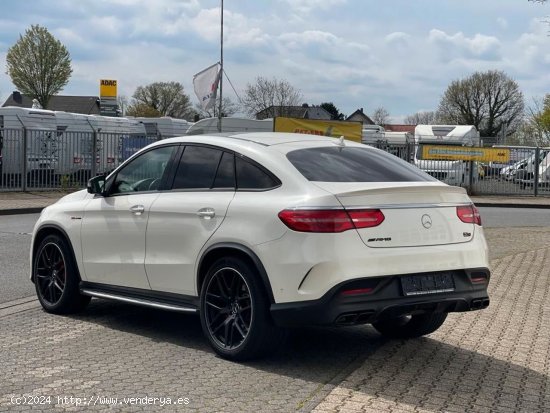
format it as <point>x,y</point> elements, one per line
<point>56,277</point>
<point>234,311</point>
<point>410,326</point>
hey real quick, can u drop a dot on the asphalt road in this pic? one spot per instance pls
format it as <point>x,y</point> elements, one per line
<point>15,241</point>
<point>514,217</point>
<point>15,238</point>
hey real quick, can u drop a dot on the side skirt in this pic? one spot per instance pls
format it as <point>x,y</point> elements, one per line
<point>155,299</point>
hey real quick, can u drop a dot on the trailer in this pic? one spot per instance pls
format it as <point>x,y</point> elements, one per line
<point>451,172</point>
<point>400,144</point>
<point>77,133</point>
<point>35,128</point>
<point>164,127</point>
<point>210,125</point>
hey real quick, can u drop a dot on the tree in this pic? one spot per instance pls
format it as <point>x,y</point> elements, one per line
<point>491,101</point>
<point>422,118</point>
<point>39,65</point>
<point>273,94</point>
<point>380,116</point>
<point>333,110</point>
<point>229,108</point>
<point>538,120</point>
<point>142,110</point>
<point>165,98</point>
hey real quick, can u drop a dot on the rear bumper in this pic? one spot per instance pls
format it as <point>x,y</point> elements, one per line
<point>386,300</point>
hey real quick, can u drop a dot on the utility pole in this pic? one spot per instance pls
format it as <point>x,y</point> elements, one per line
<point>221,72</point>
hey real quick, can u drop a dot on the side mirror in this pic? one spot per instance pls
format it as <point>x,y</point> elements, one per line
<point>96,185</point>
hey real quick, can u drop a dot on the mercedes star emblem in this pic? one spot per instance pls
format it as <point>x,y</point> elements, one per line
<point>426,221</point>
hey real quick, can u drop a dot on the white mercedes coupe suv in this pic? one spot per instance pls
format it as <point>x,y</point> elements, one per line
<point>257,232</point>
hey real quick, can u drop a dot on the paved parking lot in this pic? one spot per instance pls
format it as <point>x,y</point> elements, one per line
<point>495,360</point>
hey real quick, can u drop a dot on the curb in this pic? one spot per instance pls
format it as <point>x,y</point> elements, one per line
<point>21,211</point>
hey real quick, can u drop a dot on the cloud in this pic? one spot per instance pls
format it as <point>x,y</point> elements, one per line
<point>307,6</point>
<point>238,29</point>
<point>502,22</point>
<point>457,46</point>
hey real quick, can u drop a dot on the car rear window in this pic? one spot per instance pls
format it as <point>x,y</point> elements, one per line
<point>353,164</point>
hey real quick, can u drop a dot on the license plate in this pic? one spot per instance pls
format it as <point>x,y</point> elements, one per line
<point>430,283</point>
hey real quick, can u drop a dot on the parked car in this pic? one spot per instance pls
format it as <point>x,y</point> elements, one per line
<point>257,232</point>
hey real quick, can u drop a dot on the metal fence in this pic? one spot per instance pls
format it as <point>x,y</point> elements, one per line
<point>526,174</point>
<point>34,160</point>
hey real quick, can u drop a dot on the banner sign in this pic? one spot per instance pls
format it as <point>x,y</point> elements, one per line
<point>465,153</point>
<point>107,89</point>
<point>320,127</point>
<point>205,84</point>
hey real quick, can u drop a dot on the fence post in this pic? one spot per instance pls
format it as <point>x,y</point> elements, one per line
<point>536,172</point>
<point>470,177</point>
<point>94,154</point>
<point>24,163</point>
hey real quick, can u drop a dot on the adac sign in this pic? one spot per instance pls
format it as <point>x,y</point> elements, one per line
<point>107,89</point>
<point>333,128</point>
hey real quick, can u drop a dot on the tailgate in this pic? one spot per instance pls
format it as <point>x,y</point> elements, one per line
<point>415,214</point>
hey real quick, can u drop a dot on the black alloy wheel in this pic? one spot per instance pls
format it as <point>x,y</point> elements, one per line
<point>56,277</point>
<point>50,273</point>
<point>228,309</point>
<point>234,311</point>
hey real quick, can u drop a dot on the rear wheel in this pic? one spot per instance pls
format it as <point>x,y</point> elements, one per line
<point>235,311</point>
<point>410,326</point>
<point>56,277</point>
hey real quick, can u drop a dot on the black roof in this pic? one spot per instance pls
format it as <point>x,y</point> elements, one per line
<point>88,105</point>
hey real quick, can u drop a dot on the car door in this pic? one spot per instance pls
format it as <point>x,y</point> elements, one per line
<point>182,220</point>
<point>113,227</point>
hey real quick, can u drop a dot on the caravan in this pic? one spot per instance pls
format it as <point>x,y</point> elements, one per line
<point>450,172</point>
<point>37,128</point>
<point>210,125</point>
<point>76,133</point>
<point>164,127</point>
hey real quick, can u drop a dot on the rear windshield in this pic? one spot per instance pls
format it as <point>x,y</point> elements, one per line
<point>353,164</point>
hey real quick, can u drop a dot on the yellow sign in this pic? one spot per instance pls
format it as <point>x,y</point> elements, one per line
<point>465,153</point>
<point>107,89</point>
<point>319,127</point>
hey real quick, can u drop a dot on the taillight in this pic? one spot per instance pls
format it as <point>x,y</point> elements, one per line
<point>468,214</point>
<point>330,220</point>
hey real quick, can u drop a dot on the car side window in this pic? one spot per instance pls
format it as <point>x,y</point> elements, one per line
<point>143,173</point>
<point>252,177</point>
<point>225,176</point>
<point>197,168</point>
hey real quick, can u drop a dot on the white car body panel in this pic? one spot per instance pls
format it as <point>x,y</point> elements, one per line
<point>113,240</point>
<point>176,235</point>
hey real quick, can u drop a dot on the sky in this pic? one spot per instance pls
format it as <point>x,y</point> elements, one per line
<point>399,54</point>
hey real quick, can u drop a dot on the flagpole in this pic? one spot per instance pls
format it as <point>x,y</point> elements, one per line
<point>221,72</point>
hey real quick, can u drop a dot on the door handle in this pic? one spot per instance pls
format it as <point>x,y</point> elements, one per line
<point>206,213</point>
<point>137,209</point>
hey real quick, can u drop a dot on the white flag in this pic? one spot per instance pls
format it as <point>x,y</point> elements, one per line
<point>206,85</point>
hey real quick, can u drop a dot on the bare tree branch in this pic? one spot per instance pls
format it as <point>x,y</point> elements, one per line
<point>491,101</point>
<point>273,94</point>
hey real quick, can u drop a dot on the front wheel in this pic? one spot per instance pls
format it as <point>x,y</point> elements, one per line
<point>235,311</point>
<point>56,277</point>
<point>410,326</point>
